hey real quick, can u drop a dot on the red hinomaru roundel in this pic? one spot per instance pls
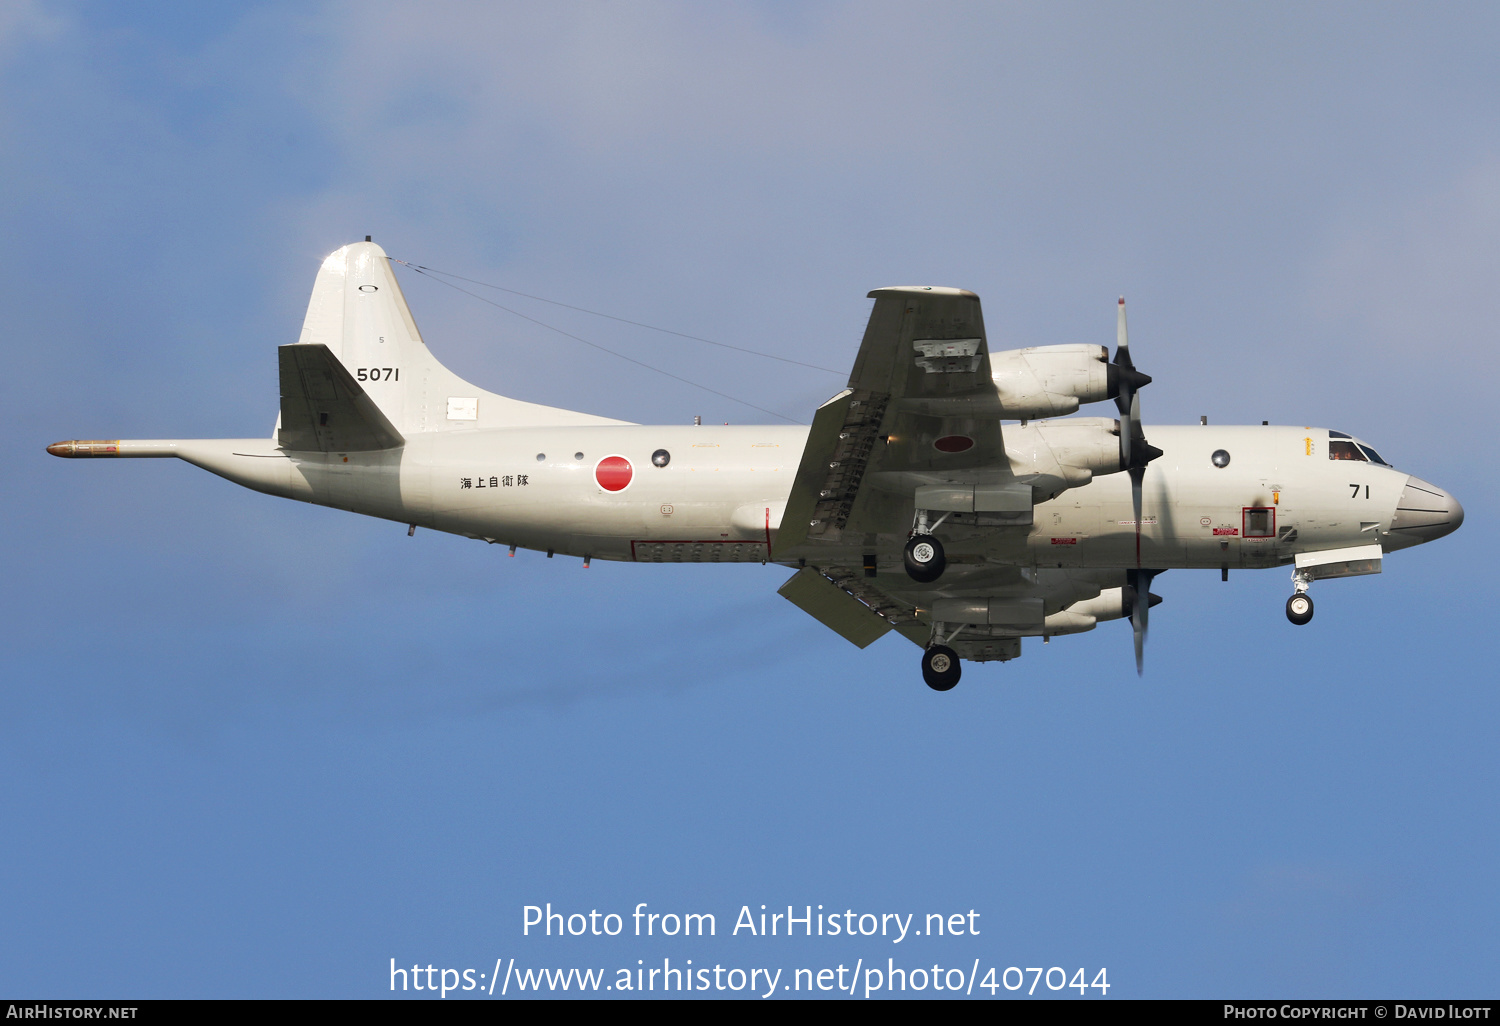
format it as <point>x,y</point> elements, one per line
<point>613,473</point>
<point>953,443</point>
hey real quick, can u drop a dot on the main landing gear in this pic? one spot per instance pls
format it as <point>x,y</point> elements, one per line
<point>923,555</point>
<point>940,665</point>
<point>924,558</point>
<point>1299,608</point>
<point>940,668</point>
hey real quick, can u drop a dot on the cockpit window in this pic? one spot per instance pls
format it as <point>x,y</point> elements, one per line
<point>1341,450</point>
<point>1338,434</point>
<point>1374,456</point>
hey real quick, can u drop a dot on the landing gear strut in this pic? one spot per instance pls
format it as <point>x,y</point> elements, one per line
<point>1299,608</point>
<point>940,668</point>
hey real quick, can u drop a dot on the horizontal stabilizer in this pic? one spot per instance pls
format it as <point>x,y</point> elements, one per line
<point>323,409</point>
<point>834,607</point>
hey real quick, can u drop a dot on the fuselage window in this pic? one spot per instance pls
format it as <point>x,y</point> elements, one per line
<point>1338,450</point>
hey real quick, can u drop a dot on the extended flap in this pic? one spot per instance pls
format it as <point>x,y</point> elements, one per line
<point>834,607</point>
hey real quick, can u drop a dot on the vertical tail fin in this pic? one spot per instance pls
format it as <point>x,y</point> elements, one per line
<point>358,312</point>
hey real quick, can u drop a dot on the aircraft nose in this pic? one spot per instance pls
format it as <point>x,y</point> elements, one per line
<point>1425,512</point>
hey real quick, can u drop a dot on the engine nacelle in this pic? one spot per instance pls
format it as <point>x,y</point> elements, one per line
<point>1055,455</point>
<point>1051,381</point>
<point>1109,604</point>
<point>1085,443</point>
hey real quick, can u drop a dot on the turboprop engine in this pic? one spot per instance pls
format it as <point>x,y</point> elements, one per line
<point>1008,616</point>
<point>1053,456</point>
<point>1052,381</point>
<point>1109,604</point>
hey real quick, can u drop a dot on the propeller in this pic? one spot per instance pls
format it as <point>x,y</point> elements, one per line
<point>1138,584</point>
<point>1135,451</point>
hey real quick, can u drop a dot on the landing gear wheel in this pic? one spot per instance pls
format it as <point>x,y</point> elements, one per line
<point>940,668</point>
<point>1299,608</point>
<point>924,558</point>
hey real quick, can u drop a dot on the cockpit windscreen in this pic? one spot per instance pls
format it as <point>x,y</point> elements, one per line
<point>1343,447</point>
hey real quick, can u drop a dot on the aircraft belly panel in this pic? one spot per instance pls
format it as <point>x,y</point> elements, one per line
<point>700,551</point>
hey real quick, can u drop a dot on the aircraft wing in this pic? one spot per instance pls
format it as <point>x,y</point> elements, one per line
<point>918,424</point>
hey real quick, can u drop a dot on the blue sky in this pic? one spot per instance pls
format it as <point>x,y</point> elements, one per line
<point>254,748</point>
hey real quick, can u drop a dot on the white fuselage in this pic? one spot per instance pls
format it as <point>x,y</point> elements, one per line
<point>721,495</point>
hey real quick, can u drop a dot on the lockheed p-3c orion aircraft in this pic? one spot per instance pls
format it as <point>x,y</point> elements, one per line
<point>946,494</point>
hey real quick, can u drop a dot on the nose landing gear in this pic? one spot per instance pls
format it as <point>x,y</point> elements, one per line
<point>1299,608</point>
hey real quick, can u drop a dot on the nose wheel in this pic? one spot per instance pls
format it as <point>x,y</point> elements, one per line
<point>940,668</point>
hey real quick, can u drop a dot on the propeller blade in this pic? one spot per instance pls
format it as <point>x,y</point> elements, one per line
<point>1122,338</point>
<point>1135,451</point>
<point>1138,592</point>
<point>1127,381</point>
<point>1130,378</point>
<point>1124,376</point>
<point>1137,477</point>
<point>1138,586</point>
